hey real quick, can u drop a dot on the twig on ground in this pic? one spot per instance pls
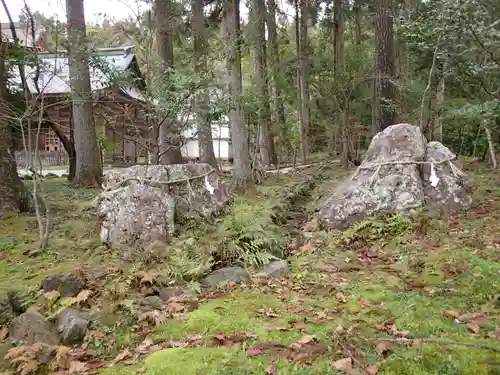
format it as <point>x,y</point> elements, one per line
<point>442,341</point>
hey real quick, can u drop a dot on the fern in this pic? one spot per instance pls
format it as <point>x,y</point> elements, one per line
<point>251,238</point>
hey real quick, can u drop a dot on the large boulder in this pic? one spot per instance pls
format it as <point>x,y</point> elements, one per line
<point>395,176</point>
<point>31,328</point>
<point>144,203</point>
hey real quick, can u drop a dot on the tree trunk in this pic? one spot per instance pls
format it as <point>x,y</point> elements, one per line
<point>384,63</point>
<point>438,124</point>
<point>168,137</point>
<point>358,19</point>
<point>339,73</point>
<point>205,141</point>
<point>302,92</point>
<point>242,170</point>
<point>88,164</point>
<point>274,59</point>
<point>266,142</point>
<point>10,184</point>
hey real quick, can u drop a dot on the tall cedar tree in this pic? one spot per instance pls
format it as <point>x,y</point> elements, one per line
<point>88,171</point>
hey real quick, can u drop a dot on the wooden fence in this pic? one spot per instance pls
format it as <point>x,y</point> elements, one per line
<point>47,158</point>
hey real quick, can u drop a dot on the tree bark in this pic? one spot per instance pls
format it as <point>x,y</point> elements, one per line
<point>266,142</point>
<point>10,184</point>
<point>242,170</point>
<point>438,124</point>
<point>205,141</point>
<point>88,164</point>
<point>168,137</point>
<point>302,90</point>
<point>274,58</point>
<point>384,63</point>
<point>339,73</point>
<point>358,19</point>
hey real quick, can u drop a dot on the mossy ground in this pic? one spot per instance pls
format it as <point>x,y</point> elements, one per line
<point>340,292</point>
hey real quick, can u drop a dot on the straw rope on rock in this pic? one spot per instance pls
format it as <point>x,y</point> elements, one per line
<point>400,173</point>
<point>144,203</point>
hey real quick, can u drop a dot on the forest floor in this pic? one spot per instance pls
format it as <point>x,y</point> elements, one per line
<point>391,296</point>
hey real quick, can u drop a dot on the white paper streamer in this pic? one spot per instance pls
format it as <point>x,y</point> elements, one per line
<point>434,179</point>
<point>209,187</point>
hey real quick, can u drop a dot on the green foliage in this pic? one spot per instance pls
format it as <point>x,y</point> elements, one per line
<point>374,229</point>
<point>250,237</point>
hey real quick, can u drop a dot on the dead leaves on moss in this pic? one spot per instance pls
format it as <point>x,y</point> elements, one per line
<point>61,359</point>
<point>303,351</point>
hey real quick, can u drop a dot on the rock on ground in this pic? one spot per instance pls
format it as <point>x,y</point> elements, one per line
<point>276,269</point>
<point>68,285</point>
<point>72,326</point>
<point>31,327</point>
<point>145,203</point>
<point>394,177</point>
<point>224,275</point>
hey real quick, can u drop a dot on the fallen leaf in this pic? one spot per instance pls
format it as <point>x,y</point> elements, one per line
<point>372,370</point>
<point>147,278</point>
<point>77,366</point>
<point>451,314</point>
<point>99,335</point>
<point>234,338</point>
<point>383,348</point>
<point>271,370</point>
<point>122,356</point>
<point>473,327</point>
<point>294,310</point>
<point>306,339</point>
<point>340,297</point>
<point>344,364</point>
<point>140,370</point>
<point>83,296</point>
<point>464,318</point>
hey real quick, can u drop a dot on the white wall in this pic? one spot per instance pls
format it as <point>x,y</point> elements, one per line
<point>220,136</point>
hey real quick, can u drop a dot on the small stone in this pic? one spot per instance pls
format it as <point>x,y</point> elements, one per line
<point>225,275</point>
<point>67,285</point>
<point>371,254</point>
<point>72,326</point>
<point>276,269</point>
<point>31,327</point>
<point>170,292</point>
<point>152,301</point>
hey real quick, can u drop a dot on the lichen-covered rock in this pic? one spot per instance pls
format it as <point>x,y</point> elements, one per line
<point>225,275</point>
<point>72,326</point>
<point>30,328</point>
<point>387,181</point>
<point>276,269</point>
<point>68,285</point>
<point>395,177</point>
<point>452,192</point>
<point>143,203</point>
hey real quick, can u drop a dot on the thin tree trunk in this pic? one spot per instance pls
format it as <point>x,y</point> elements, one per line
<point>358,19</point>
<point>274,59</point>
<point>205,141</point>
<point>242,171</point>
<point>266,145</point>
<point>438,124</point>
<point>168,137</point>
<point>491,147</point>
<point>339,72</point>
<point>384,63</point>
<point>88,164</point>
<point>302,91</point>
